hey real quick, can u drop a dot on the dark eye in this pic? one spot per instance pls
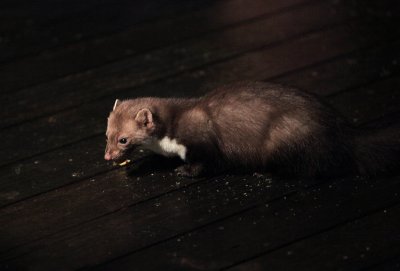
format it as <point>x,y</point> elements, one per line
<point>123,141</point>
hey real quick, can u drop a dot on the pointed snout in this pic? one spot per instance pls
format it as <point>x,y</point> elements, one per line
<point>111,155</point>
<point>107,156</point>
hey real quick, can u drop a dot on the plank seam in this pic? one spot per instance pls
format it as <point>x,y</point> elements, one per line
<point>178,73</point>
<point>327,229</point>
<point>104,34</point>
<point>199,182</point>
<point>109,170</point>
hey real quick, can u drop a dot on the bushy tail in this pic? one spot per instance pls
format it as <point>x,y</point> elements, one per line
<point>377,151</point>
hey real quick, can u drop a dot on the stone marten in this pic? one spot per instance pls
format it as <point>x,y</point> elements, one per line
<point>251,126</point>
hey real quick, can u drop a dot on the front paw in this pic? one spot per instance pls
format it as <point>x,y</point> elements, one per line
<point>189,170</point>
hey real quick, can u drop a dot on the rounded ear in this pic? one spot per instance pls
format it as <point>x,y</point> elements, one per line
<point>145,117</point>
<point>116,103</point>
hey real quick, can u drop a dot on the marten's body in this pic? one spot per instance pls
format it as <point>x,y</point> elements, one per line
<point>250,126</point>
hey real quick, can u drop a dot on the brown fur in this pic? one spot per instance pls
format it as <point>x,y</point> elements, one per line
<point>247,125</point>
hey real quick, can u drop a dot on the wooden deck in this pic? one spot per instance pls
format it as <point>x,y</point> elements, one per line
<point>62,64</point>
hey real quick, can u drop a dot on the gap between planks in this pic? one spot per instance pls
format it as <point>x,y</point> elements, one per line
<point>147,50</point>
<point>281,76</point>
<point>96,174</point>
<point>154,76</point>
<point>88,37</point>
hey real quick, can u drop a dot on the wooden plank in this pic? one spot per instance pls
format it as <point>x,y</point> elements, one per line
<point>106,193</point>
<point>351,247</point>
<point>20,17</point>
<point>60,167</point>
<point>131,229</point>
<point>138,39</point>
<point>269,227</point>
<point>380,100</point>
<point>392,264</point>
<point>71,199</point>
<point>364,66</point>
<point>58,221</point>
<point>6,4</point>
<point>43,12</point>
<point>34,35</point>
<point>196,205</point>
<point>165,62</point>
<point>267,62</point>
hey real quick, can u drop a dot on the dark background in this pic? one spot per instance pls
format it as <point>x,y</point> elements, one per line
<point>63,63</point>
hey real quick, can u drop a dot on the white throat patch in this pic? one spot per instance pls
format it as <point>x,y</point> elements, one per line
<point>168,147</point>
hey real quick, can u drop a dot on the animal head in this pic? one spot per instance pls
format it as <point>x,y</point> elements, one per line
<point>130,124</point>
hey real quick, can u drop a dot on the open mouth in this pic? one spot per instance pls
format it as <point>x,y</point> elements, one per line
<point>124,158</point>
<point>121,161</point>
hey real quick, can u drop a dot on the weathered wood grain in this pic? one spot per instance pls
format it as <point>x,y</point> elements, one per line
<point>356,69</point>
<point>277,224</point>
<point>59,167</point>
<point>139,38</point>
<point>379,98</point>
<point>391,264</point>
<point>352,246</point>
<point>64,208</point>
<point>264,63</point>
<point>134,71</point>
<point>64,215</point>
<point>29,30</point>
<point>150,221</point>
